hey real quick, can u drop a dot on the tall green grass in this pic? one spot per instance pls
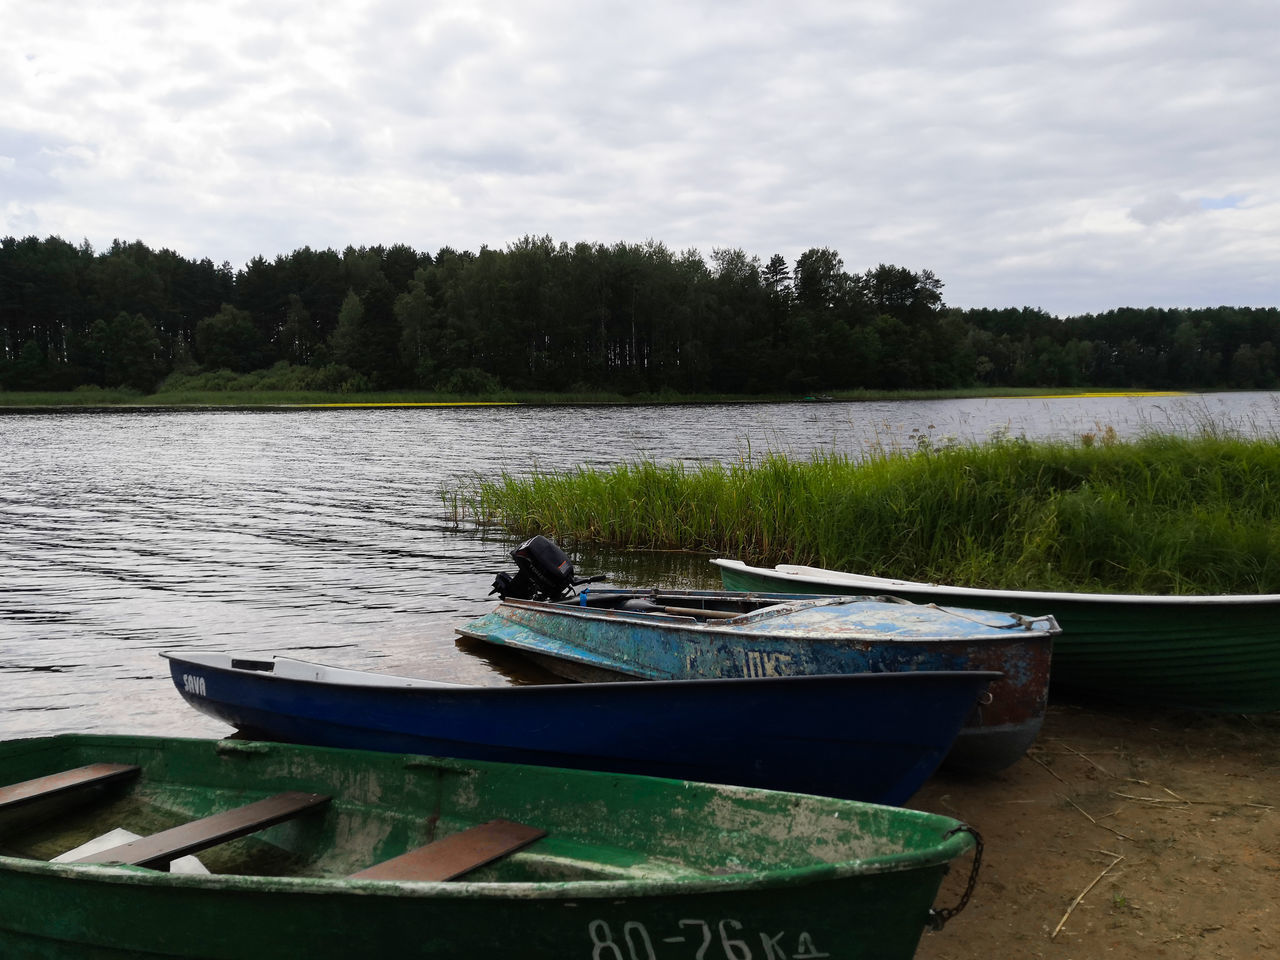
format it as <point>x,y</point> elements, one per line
<point>1162,514</point>
<point>80,397</point>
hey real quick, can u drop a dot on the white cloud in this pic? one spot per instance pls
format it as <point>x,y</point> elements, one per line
<point>1075,158</point>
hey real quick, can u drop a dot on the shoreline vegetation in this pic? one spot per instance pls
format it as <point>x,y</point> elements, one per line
<point>1157,515</point>
<point>94,397</point>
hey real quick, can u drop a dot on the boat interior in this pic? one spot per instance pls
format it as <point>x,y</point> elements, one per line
<point>66,810</point>
<point>137,817</point>
<point>699,605</point>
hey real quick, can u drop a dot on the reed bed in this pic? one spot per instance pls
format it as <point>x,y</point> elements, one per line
<point>1162,514</point>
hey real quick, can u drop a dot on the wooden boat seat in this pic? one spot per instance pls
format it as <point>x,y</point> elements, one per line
<point>158,849</point>
<point>455,855</point>
<point>63,782</point>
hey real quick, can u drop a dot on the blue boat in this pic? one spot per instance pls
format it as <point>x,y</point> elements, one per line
<point>873,737</point>
<point>685,634</point>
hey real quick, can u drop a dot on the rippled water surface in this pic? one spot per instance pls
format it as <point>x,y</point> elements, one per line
<point>322,533</point>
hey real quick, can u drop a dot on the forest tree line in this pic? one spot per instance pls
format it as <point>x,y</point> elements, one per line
<point>546,317</point>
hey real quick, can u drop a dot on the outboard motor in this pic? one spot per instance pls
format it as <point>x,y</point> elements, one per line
<point>543,573</point>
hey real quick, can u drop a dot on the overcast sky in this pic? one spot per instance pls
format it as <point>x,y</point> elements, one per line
<point>1073,156</point>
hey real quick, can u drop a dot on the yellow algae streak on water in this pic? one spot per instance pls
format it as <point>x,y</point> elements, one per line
<point>1103,393</point>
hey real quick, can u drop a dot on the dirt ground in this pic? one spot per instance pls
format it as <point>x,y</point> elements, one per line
<point>1122,834</point>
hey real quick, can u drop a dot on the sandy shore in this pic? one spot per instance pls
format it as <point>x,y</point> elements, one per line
<point>1122,834</point>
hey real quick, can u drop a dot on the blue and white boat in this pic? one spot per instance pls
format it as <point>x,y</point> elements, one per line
<point>874,737</point>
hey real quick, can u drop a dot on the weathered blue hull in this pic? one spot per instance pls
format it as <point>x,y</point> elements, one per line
<point>874,737</point>
<point>595,637</point>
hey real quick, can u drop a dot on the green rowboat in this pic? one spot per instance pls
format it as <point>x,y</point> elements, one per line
<point>1217,653</point>
<point>319,853</point>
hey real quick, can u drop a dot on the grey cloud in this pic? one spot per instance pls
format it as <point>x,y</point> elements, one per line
<point>27,175</point>
<point>1164,209</point>
<point>1052,156</point>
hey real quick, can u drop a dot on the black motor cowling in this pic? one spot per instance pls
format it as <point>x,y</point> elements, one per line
<point>543,572</point>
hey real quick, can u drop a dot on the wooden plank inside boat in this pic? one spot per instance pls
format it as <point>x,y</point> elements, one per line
<point>158,849</point>
<point>56,784</point>
<point>455,855</point>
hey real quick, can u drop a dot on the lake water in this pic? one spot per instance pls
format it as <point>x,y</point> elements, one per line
<point>322,533</point>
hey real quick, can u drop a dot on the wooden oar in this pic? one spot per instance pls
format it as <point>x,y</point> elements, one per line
<point>650,607</point>
<point>698,612</point>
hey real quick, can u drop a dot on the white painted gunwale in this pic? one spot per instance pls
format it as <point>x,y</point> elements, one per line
<point>820,576</point>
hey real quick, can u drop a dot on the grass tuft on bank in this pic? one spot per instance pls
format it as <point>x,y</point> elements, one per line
<point>1161,515</point>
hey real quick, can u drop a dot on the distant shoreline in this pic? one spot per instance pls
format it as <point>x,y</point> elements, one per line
<point>123,401</point>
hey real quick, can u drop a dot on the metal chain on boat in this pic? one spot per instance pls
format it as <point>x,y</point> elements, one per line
<point>939,917</point>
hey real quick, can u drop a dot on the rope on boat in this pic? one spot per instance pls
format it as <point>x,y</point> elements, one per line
<point>1018,620</point>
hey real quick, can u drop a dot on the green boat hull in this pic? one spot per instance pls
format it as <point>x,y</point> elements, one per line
<point>1216,653</point>
<point>630,866</point>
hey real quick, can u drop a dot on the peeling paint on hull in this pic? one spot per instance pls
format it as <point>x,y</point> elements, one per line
<point>625,861</point>
<point>794,635</point>
<point>1214,652</point>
